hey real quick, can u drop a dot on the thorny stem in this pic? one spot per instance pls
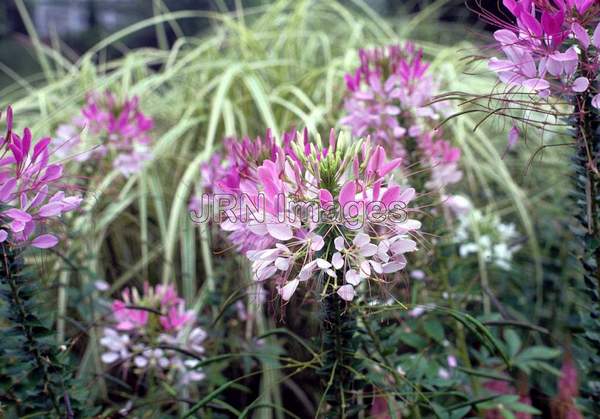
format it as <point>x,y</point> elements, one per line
<point>586,123</point>
<point>339,327</point>
<point>11,263</point>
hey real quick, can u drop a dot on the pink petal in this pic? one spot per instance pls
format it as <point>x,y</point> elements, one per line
<point>3,235</point>
<point>347,194</point>
<point>390,195</point>
<point>376,160</point>
<point>280,231</point>
<point>7,189</point>
<point>505,37</point>
<point>536,84</point>
<point>513,136</point>
<point>45,241</point>
<point>40,147</point>
<point>596,37</point>
<point>18,215</point>
<point>346,292</point>
<point>326,198</point>
<point>407,195</point>
<point>581,34</point>
<point>580,84</point>
<point>51,209</point>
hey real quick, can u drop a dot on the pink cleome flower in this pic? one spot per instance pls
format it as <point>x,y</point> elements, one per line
<point>303,196</point>
<point>389,98</point>
<point>148,329</point>
<point>233,177</point>
<point>551,48</point>
<point>118,129</point>
<point>32,192</point>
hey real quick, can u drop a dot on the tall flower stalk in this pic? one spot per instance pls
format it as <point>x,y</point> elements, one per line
<point>551,52</point>
<point>33,375</point>
<point>324,219</point>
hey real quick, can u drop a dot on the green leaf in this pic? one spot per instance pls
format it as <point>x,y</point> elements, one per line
<point>514,342</point>
<point>538,352</point>
<point>434,330</point>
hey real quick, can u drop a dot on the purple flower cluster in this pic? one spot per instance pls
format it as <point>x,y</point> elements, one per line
<point>150,333</point>
<point>551,48</point>
<point>32,191</point>
<point>347,178</point>
<point>234,177</point>
<point>389,98</point>
<point>114,128</point>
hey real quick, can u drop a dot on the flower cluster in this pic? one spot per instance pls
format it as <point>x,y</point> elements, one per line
<point>231,179</point>
<point>552,48</point>
<point>483,233</point>
<point>32,192</point>
<point>108,127</point>
<point>390,98</point>
<point>331,213</point>
<point>151,333</point>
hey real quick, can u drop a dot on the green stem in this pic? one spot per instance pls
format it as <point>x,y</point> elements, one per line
<point>340,344</point>
<point>586,123</point>
<point>18,301</point>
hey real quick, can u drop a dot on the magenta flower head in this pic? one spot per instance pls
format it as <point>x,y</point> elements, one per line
<point>550,48</point>
<point>109,128</point>
<point>390,97</point>
<point>150,332</point>
<point>32,190</point>
<point>322,214</point>
<point>224,181</point>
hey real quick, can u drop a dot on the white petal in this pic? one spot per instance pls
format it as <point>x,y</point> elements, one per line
<point>140,361</point>
<point>403,246</point>
<point>337,260</point>
<point>339,243</point>
<point>280,231</point>
<point>376,266</point>
<point>288,290</point>
<point>365,269</point>
<point>367,250</point>
<point>317,243</point>
<point>323,264</point>
<point>346,292</point>
<point>282,263</point>
<point>265,273</point>
<point>393,267</point>
<point>109,357</point>
<point>352,277</point>
<point>361,239</point>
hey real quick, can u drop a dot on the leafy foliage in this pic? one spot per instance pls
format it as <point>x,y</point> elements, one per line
<point>35,376</point>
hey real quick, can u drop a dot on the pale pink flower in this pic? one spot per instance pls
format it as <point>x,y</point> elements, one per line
<point>143,346</point>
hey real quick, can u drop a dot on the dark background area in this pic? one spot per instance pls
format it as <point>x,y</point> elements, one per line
<point>79,24</point>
